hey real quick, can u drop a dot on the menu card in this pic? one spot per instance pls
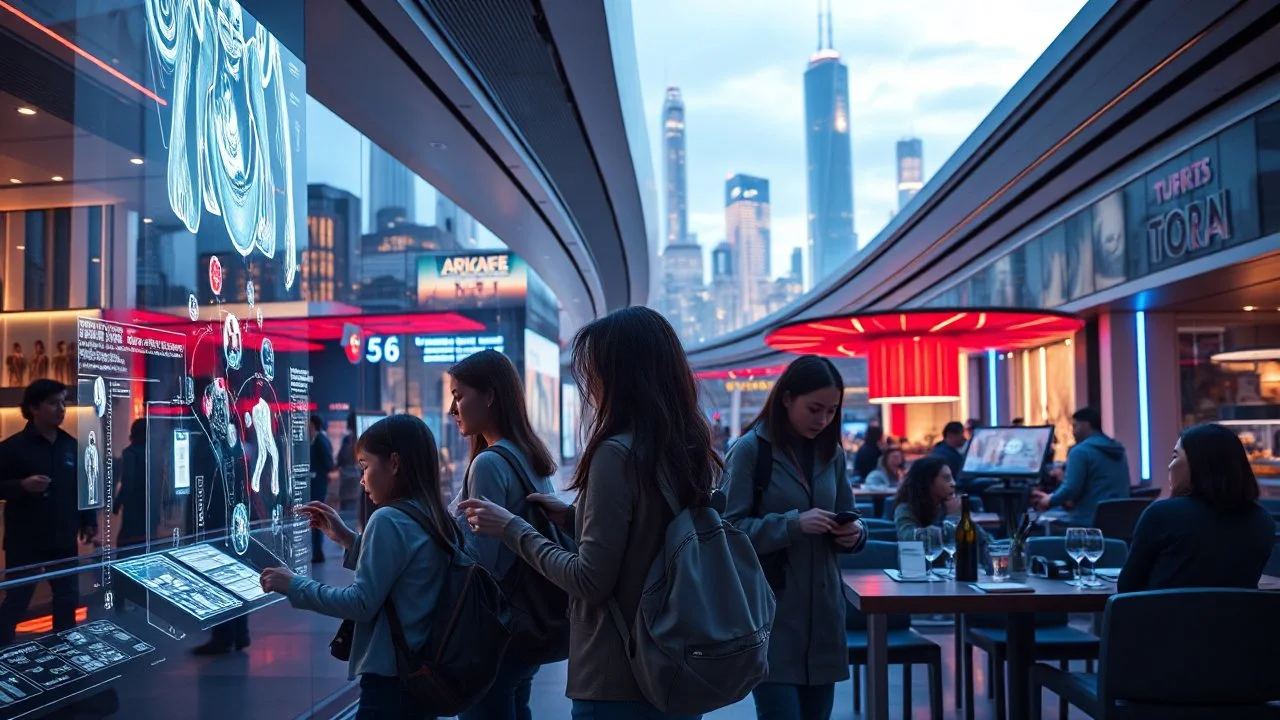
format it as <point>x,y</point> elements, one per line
<point>911,560</point>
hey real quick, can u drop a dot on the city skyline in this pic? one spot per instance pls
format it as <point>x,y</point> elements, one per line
<point>917,68</point>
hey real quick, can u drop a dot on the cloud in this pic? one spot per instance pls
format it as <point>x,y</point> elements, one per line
<point>928,68</point>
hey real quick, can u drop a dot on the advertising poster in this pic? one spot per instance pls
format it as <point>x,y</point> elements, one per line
<point>542,387</point>
<point>1109,241</point>
<point>449,282</point>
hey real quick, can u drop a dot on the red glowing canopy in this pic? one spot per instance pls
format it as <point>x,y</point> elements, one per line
<point>913,355</point>
<point>742,374</point>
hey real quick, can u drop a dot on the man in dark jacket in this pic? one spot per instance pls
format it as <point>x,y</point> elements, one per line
<point>950,449</point>
<point>1097,470</point>
<point>42,519</point>
<point>321,466</point>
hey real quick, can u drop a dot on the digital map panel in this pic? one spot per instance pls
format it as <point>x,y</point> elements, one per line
<point>222,569</point>
<point>184,589</point>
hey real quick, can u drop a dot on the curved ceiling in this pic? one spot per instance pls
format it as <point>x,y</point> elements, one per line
<point>511,108</point>
<point>1123,76</point>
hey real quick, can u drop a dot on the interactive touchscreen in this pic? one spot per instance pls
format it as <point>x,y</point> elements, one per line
<point>222,569</point>
<point>1007,451</point>
<point>46,663</point>
<point>181,587</point>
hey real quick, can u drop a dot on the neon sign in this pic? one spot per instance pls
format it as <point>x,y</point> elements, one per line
<point>476,265</point>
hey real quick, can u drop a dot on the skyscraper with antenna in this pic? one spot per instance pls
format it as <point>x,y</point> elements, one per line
<point>832,239</point>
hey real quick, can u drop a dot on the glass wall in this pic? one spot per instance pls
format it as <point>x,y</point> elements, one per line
<point>203,257</point>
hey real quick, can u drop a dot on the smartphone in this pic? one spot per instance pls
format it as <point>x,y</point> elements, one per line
<point>848,516</point>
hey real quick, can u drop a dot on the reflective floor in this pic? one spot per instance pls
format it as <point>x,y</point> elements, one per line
<point>287,673</point>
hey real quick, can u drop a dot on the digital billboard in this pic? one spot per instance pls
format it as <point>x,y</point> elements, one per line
<point>542,387</point>
<point>450,282</point>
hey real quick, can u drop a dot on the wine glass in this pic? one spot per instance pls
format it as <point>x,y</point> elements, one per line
<point>1093,546</point>
<point>931,538</point>
<point>1075,549</point>
<point>949,545</point>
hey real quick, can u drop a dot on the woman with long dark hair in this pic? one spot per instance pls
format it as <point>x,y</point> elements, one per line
<point>631,369</point>
<point>394,558</point>
<point>926,496</point>
<point>1212,532</point>
<point>789,503</point>
<point>489,408</point>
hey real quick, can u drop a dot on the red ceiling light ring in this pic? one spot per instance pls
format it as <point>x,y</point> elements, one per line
<point>913,369</point>
<point>913,355</point>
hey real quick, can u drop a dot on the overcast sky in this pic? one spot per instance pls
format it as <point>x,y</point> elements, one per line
<point>928,68</point>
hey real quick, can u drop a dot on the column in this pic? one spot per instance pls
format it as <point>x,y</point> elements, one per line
<point>735,413</point>
<point>1138,372</point>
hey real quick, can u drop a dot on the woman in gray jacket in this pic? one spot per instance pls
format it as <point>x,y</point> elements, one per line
<point>793,525</point>
<point>632,370</point>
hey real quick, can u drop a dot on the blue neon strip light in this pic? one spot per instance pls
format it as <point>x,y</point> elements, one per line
<point>1144,427</point>
<point>991,387</point>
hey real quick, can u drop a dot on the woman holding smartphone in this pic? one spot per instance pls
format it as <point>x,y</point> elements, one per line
<point>788,491</point>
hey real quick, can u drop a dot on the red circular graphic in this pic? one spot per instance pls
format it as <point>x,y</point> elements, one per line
<point>215,275</point>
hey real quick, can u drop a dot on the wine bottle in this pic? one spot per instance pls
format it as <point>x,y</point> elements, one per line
<point>966,545</point>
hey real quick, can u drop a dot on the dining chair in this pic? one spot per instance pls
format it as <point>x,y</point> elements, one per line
<point>1055,638</point>
<point>1117,518</point>
<point>1175,654</point>
<point>906,646</point>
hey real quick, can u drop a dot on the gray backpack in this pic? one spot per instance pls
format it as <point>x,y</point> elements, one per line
<point>700,639</point>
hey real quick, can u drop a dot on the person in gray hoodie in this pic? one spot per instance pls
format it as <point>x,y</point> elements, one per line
<point>794,526</point>
<point>1097,470</point>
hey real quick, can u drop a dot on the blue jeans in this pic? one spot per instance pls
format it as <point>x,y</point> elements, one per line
<point>779,701</point>
<point>385,698</point>
<point>602,710</point>
<point>508,697</point>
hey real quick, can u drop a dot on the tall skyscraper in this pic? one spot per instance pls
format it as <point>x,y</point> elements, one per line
<point>910,169</point>
<point>390,189</point>
<point>455,221</point>
<point>683,289</point>
<point>330,264</point>
<point>747,228</point>
<point>826,110</point>
<point>723,315</point>
<point>673,170</point>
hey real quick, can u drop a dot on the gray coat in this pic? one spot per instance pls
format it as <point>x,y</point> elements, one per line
<point>807,646</point>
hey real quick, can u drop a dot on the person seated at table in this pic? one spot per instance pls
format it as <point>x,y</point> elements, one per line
<point>888,471</point>
<point>927,496</point>
<point>1212,532</point>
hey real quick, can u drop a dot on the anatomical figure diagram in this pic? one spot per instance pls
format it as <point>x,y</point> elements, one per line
<point>260,420</point>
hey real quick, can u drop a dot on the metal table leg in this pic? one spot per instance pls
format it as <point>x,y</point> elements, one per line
<point>878,667</point>
<point>1022,639</point>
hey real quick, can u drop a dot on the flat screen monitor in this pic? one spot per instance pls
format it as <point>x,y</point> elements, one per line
<point>363,422</point>
<point>1012,452</point>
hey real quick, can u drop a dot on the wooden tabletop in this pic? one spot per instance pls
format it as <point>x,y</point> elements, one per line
<point>875,592</point>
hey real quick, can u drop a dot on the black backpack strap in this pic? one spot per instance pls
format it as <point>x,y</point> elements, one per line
<point>763,473</point>
<point>515,464</point>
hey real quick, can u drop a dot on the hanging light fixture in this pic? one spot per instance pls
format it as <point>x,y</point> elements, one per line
<point>913,356</point>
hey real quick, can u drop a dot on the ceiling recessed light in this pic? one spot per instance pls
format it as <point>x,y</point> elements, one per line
<point>439,146</point>
<point>19,247</point>
<point>146,221</point>
<point>26,111</point>
<point>57,178</point>
<point>135,161</point>
<point>15,181</point>
<point>1250,308</point>
<point>97,260</point>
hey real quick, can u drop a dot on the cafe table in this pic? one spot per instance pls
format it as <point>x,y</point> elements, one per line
<point>878,596</point>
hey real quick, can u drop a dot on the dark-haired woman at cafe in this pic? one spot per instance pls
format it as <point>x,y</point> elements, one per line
<point>1211,532</point>
<point>795,526</point>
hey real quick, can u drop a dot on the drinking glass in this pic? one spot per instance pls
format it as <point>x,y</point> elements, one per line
<point>999,551</point>
<point>931,538</point>
<point>949,545</point>
<point>1094,546</point>
<point>1075,550</point>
